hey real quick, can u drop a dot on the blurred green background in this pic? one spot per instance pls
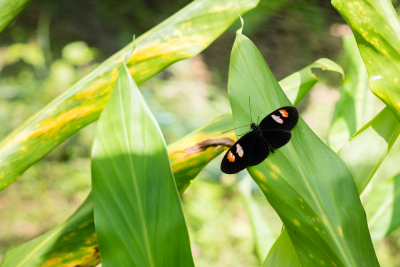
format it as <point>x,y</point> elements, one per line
<point>52,44</point>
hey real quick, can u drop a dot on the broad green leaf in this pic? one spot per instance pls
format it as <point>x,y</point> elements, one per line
<point>75,249</point>
<point>188,157</point>
<point>181,36</point>
<point>138,215</point>
<point>383,208</point>
<point>193,152</point>
<point>79,245</point>
<point>264,237</point>
<point>377,31</point>
<point>363,160</point>
<point>10,9</point>
<point>306,183</point>
<point>282,253</point>
<point>297,85</point>
<point>356,104</point>
<point>208,142</point>
<point>382,196</point>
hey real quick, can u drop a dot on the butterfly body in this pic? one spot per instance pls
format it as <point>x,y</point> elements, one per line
<point>273,132</point>
<point>258,130</point>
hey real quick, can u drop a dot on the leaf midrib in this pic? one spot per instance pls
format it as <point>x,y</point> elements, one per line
<point>136,187</point>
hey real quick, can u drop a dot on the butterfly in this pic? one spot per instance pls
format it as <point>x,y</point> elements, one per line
<point>273,132</point>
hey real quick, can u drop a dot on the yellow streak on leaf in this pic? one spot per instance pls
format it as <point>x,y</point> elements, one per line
<point>52,262</point>
<point>340,231</point>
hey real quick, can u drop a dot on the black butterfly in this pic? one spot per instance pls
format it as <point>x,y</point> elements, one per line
<point>273,132</point>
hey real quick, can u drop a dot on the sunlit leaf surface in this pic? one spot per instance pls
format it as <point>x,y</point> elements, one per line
<point>307,184</point>
<point>381,199</point>
<point>383,208</point>
<point>193,152</point>
<point>363,161</point>
<point>138,215</point>
<point>356,105</point>
<point>181,36</point>
<point>377,31</point>
<point>263,234</point>
<point>366,150</point>
<point>297,85</point>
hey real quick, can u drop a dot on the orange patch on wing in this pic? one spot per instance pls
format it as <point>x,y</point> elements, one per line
<point>284,113</point>
<point>231,157</point>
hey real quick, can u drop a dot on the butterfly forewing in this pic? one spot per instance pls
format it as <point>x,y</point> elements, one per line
<point>277,125</point>
<point>238,156</point>
<point>282,119</point>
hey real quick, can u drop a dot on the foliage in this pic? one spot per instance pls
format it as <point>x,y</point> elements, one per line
<point>314,191</point>
<point>181,36</point>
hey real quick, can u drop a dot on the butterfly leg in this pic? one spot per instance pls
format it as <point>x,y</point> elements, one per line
<point>267,144</point>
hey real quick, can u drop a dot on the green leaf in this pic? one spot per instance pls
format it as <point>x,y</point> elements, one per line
<point>193,152</point>
<point>382,198</point>
<point>9,9</point>
<point>383,208</point>
<point>363,160</point>
<point>376,28</point>
<point>181,36</point>
<point>57,247</point>
<point>263,235</point>
<point>356,105</point>
<point>188,157</point>
<point>282,253</point>
<point>306,183</point>
<point>137,211</point>
<point>297,85</point>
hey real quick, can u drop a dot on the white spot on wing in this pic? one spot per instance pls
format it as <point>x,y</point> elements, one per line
<point>373,78</point>
<point>277,119</point>
<point>239,150</point>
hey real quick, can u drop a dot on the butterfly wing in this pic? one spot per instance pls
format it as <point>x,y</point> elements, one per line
<point>259,152</point>
<point>277,125</point>
<point>238,156</point>
<point>252,149</point>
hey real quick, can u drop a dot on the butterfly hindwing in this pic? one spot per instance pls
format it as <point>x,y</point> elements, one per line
<point>259,152</point>
<point>238,156</point>
<point>277,139</point>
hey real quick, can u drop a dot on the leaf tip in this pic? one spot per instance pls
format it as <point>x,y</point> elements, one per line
<point>130,51</point>
<point>241,28</point>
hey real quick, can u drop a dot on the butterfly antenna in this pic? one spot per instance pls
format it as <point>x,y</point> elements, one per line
<point>251,118</point>
<point>235,128</point>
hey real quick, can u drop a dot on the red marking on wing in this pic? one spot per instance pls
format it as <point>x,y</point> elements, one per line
<point>284,113</point>
<point>231,157</point>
